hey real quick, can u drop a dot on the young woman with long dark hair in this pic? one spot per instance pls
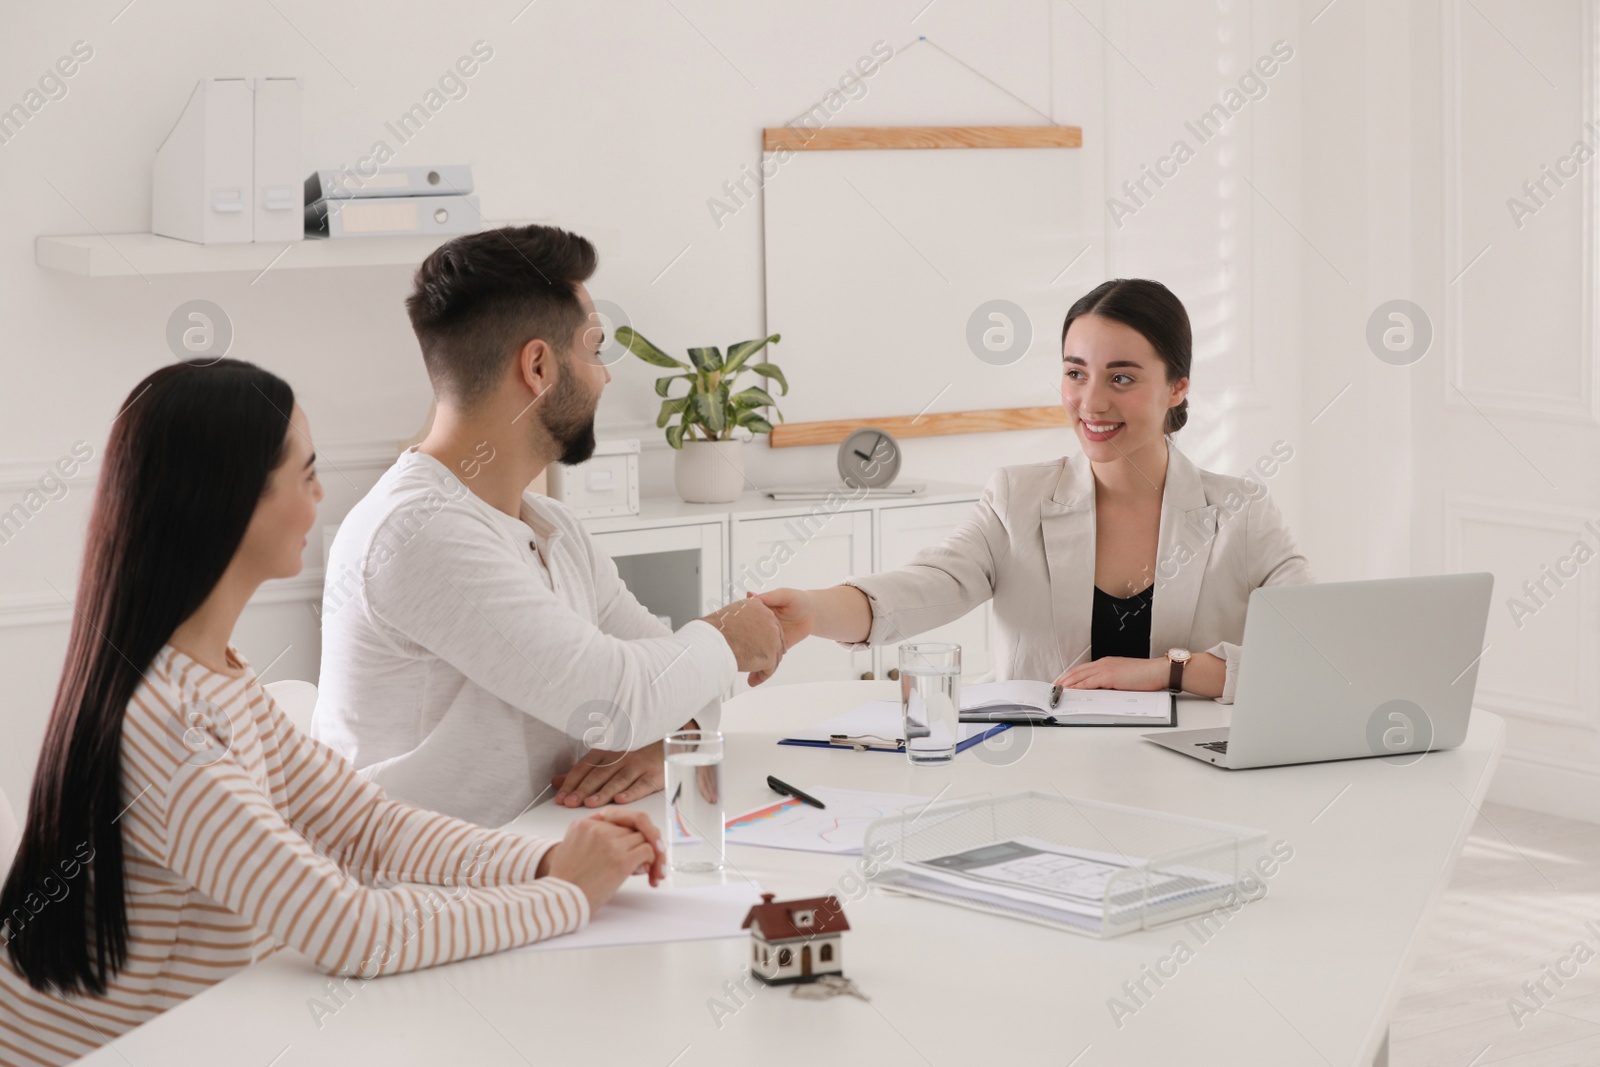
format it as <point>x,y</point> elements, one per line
<point>179,827</point>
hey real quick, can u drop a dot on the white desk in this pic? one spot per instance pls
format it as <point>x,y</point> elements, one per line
<point>1305,976</point>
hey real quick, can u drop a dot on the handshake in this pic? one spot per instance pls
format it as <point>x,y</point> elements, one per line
<point>762,627</point>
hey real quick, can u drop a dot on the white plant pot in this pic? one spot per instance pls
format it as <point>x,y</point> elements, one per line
<point>710,472</point>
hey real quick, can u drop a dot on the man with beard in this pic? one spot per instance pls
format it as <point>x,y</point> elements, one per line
<point>479,652</point>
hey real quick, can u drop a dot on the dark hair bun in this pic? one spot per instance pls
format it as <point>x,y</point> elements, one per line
<point>1177,416</point>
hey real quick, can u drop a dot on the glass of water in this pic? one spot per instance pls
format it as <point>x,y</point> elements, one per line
<point>694,801</point>
<point>930,701</point>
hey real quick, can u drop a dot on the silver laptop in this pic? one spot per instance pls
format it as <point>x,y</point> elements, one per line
<point>1345,670</point>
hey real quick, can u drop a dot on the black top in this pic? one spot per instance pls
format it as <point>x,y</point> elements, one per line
<point>1121,625</point>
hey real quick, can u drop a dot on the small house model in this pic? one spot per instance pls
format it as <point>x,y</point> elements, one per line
<point>795,940</point>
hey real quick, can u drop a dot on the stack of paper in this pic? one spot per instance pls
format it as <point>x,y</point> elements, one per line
<point>1042,880</point>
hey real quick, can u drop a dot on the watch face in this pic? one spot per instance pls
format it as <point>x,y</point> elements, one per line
<point>1178,655</point>
<point>869,459</point>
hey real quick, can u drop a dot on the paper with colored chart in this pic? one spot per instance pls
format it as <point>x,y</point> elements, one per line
<point>839,828</point>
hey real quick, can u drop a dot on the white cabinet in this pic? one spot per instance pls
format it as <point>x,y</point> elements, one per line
<point>902,533</point>
<point>675,571</point>
<point>804,552</point>
<point>684,561</point>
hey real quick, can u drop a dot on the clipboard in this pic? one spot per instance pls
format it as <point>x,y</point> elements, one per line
<point>881,743</point>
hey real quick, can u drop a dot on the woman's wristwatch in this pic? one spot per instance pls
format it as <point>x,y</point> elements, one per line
<point>1177,657</point>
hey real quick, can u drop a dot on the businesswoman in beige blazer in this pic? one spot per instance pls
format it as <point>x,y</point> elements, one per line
<point>1106,568</point>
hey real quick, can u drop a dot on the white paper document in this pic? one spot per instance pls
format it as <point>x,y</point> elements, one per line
<point>838,828</point>
<point>639,915</point>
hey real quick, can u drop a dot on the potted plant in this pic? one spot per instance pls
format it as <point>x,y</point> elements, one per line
<point>709,468</point>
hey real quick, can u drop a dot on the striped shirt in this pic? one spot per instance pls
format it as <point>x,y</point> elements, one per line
<point>242,835</point>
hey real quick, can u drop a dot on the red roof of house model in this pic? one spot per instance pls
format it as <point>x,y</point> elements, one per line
<point>777,919</point>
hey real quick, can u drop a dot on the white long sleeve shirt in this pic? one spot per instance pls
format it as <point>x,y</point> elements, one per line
<point>468,657</point>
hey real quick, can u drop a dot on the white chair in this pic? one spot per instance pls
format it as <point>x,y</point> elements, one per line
<point>297,699</point>
<point>10,836</point>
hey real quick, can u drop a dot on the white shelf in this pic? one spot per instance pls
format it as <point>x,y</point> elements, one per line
<point>120,254</point>
<point>655,511</point>
<point>143,254</point>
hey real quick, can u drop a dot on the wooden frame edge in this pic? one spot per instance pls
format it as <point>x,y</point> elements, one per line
<point>814,139</point>
<point>987,420</point>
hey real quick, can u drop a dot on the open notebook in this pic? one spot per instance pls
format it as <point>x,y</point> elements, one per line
<point>1077,707</point>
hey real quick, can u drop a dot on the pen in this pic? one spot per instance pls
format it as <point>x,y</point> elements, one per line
<point>790,791</point>
<point>1055,695</point>
<point>1011,718</point>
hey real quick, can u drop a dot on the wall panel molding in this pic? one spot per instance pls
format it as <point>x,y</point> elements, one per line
<point>47,609</point>
<point>1583,406</point>
<point>1463,509</point>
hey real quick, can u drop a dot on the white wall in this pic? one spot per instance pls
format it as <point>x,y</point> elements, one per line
<point>1509,412</point>
<point>1423,121</point>
<point>626,118</point>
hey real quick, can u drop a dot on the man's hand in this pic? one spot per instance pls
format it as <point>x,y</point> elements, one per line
<point>795,613</point>
<point>752,631</point>
<point>1118,672</point>
<point>602,777</point>
<point>600,852</point>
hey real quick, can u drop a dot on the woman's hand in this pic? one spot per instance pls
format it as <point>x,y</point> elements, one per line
<point>599,853</point>
<point>1118,672</point>
<point>796,614</point>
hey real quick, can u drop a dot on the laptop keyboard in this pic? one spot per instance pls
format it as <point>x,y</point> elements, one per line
<point>1215,746</point>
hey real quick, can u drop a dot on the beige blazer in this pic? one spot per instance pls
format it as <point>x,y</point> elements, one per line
<point>1029,545</point>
